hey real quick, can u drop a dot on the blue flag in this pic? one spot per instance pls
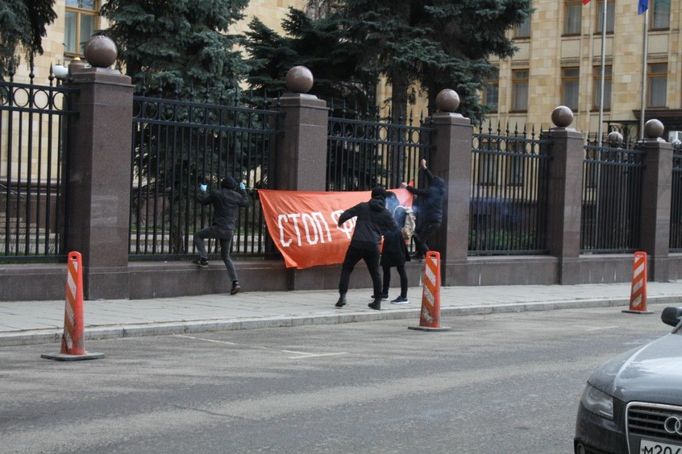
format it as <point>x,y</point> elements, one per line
<point>643,6</point>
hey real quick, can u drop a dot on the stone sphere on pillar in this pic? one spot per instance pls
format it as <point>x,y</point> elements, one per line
<point>299,79</point>
<point>447,100</point>
<point>653,129</point>
<point>562,116</point>
<point>100,51</point>
<point>615,138</point>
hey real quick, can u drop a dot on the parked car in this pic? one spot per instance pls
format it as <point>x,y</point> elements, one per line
<point>632,404</point>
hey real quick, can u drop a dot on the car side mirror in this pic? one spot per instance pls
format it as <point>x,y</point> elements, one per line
<point>671,315</point>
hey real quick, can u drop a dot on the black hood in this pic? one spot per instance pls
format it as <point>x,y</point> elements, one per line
<point>377,203</point>
<point>228,183</point>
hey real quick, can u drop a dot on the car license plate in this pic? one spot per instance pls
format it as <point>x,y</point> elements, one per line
<point>654,447</point>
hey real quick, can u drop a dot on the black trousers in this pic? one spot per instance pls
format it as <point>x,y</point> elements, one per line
<point>424,233</point>
<point>225,239</point>
<point>353,256</point>
<point>387,279</point>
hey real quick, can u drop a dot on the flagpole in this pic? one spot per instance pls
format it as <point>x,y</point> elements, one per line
<point>645,53</point>
<point>603,72</point>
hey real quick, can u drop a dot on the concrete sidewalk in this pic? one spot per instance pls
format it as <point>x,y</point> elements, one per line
<point>35,322</point>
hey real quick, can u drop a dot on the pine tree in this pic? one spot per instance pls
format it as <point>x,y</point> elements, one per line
<point>22,24</point>
<point>316,44</point>
<point>181,49</point>
<point>439,43</point>
<point>178,47</point>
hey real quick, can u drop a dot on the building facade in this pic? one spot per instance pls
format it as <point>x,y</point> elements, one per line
<point>558,62</point>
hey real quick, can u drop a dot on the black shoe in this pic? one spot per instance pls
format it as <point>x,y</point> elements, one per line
<point>236,288</point>
<point>376,305</point>
<point>400,300</point>
<point>342,301</point>
<point>201,263</point>
<point>384,296</point>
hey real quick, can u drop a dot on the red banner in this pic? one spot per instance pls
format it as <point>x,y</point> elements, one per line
<point>303,225</point>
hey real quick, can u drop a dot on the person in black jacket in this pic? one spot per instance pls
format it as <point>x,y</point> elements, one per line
<point>430,209</point>
<point>373,220</point>
<point>395,253</point>
<point>226,203</point>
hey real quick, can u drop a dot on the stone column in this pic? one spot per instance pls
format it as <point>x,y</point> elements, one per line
<point>565,195</point>
<point>656,193</point>
<point>98,171</point>
<point>301,158</point>
<point>451,160</point>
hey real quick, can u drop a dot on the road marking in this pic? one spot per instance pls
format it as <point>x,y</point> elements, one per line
<point>599,328</point>
<point>299,355</point>
<point>205,340</point>
<point>315,355</point>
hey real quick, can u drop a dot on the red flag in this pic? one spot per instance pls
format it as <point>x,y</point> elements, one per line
<point>585,2</point>
<point>303,225</point>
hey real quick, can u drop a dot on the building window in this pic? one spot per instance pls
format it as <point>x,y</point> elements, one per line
<point>597,87</point>
<point>80,23</point>
<point>572,17</point>
<point>491,93</point>
<point>657,84</point>
<point>519,90</point>
<point>570,81</point>
<point>523,30</point>
<point>659,14</point>
<point>610,16</point>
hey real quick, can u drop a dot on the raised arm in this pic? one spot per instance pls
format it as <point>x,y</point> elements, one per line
<point>349,213</point>
<point>428,176</point>
<point>413,190</point>
<point>245,196</point>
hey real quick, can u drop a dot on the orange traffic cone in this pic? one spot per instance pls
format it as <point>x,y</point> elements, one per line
<point>429,319</point>
<point>638,289</point>
<point>73,348</point>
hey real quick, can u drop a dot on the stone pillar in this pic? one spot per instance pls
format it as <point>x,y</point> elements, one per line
<point>98,171</point>
<point>451,160</point>
<point>656,193</point>
<point>301,158</point>
<point>565,195</point>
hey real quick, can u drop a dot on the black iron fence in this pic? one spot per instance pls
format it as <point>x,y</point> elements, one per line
<point>178,144</point>
<point>611,201</point>
<point>33,137</point>
<point>676,202</point>
<point>508,208</point>
<point>366,150</point>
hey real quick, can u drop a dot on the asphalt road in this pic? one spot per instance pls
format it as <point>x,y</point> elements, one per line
<point>507,383</point>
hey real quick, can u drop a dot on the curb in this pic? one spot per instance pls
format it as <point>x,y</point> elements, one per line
<point>47,336</point>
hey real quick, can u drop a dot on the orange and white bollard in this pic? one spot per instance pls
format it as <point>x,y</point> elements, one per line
<point>429,320</point>
<point>73,348</point>
<point>638,289</point>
